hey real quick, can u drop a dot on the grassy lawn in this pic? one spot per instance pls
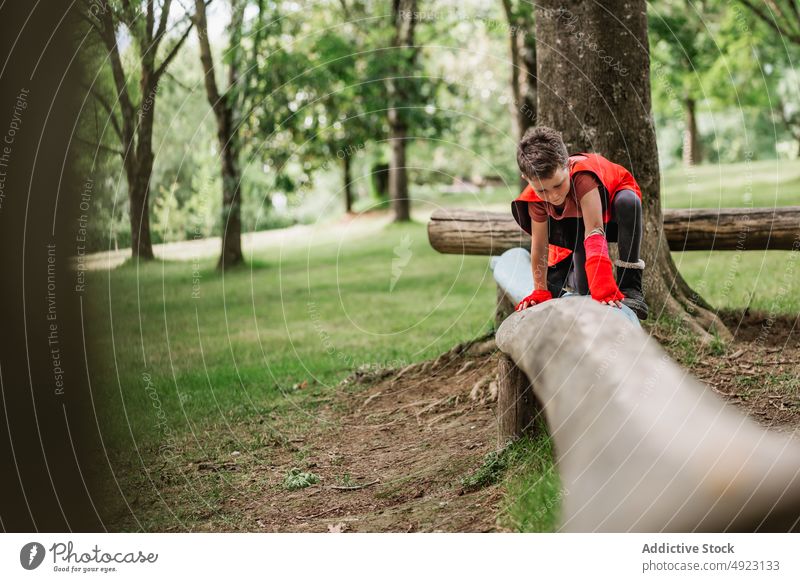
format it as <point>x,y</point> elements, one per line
<point>186,348</point>
<point>752,184</point>
<point>302,315</point>
<point>755,184</point>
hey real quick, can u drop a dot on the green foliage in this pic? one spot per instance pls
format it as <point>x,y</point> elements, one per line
<point>314,92</point>
<point>496,464</point>
<point>297,479</point>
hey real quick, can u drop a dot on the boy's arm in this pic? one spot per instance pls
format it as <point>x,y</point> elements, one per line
<point>592,210</point>
<point>599,272</point>
<point>539,252</point>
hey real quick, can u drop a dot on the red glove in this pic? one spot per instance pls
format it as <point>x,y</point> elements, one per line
<point>599,271</point>
<point>538,296</point>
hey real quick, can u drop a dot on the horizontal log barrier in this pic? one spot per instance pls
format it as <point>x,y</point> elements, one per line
<point>474,232</point>
<point>640,444</point>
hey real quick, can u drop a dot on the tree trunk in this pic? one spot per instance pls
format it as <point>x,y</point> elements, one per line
<point>398,176</point>
<point>595,71</point>
<point>691,144</point>
<point>348,189</point>
<point>231,253</point>
<point>139,179</point>
<point>139,211</point>
<point>404,18</point>
<point>224,106</point>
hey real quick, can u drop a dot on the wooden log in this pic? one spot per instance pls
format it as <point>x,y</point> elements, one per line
<point>474,232</point>
<point>504,307</point>
<point>730,229</point>
<point>517,408</point>
<point>640,444</point>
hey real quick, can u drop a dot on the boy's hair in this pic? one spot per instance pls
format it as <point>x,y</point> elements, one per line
<point>541,152</point>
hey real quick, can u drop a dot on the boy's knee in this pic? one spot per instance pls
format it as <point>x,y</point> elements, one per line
<point>626,201</point>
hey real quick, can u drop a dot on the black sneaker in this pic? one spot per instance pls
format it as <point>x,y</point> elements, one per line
<point>629,281</point>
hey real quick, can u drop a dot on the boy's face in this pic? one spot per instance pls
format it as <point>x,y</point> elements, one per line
<point>553,189</point>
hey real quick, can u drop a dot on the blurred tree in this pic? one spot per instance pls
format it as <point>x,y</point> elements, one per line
<point>577,74</point>
<point>227,109</point>
<point>346,96</point>
<point>399,89</point>
<point>683,45</point>
<point>782,16</point>
<point>148,26</point>
<point>519,14</point>
<point>755,72</point>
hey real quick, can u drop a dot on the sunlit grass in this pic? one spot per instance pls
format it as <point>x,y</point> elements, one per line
<point>309,315</point>
<point>181,348</point>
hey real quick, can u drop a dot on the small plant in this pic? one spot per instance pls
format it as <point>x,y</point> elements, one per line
<point>298,479</point>
<point>497,463</point>
<point>493,468</point>
<point>346,481</point>
<point>717,347</point>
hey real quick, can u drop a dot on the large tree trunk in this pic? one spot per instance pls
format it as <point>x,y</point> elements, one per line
<point>404,17</point>
<point>691,143</point>
<point>594,64</point>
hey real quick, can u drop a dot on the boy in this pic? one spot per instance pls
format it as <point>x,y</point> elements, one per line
<point>574,205</point>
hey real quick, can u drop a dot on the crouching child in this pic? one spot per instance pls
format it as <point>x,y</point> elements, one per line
<point>573,206</point>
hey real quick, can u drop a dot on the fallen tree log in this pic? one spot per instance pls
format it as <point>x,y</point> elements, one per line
<point>475,232</point>
<point>640,444</point>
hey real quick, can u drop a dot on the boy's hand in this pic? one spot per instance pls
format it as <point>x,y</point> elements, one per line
<point>538,296</point>
<point>599,272</point>
<point>602,286</point>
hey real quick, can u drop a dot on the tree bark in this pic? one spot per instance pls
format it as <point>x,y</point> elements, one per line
<point>231,253</point>
<point>139,210</point>
<point>692,153</point>
<point>517,407</point>
<point>398,176</point>
<point>142,163</point>
<point>347,186</point>
<point>224,107</point>
<point>404,17</point>
<point>594,64</point>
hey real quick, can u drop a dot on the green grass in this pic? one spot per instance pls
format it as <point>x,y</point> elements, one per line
<point>265,343</point>
<point>532,485</point>
<point>303,315</point>
<point>761,280</point>
<point>766,183</point>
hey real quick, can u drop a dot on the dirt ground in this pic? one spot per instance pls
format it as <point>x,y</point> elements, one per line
<point>391,447</point>
<point>760,370</point>
<point>405,439</point>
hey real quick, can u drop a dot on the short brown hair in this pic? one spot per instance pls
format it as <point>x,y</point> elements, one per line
<point>541,152</point>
